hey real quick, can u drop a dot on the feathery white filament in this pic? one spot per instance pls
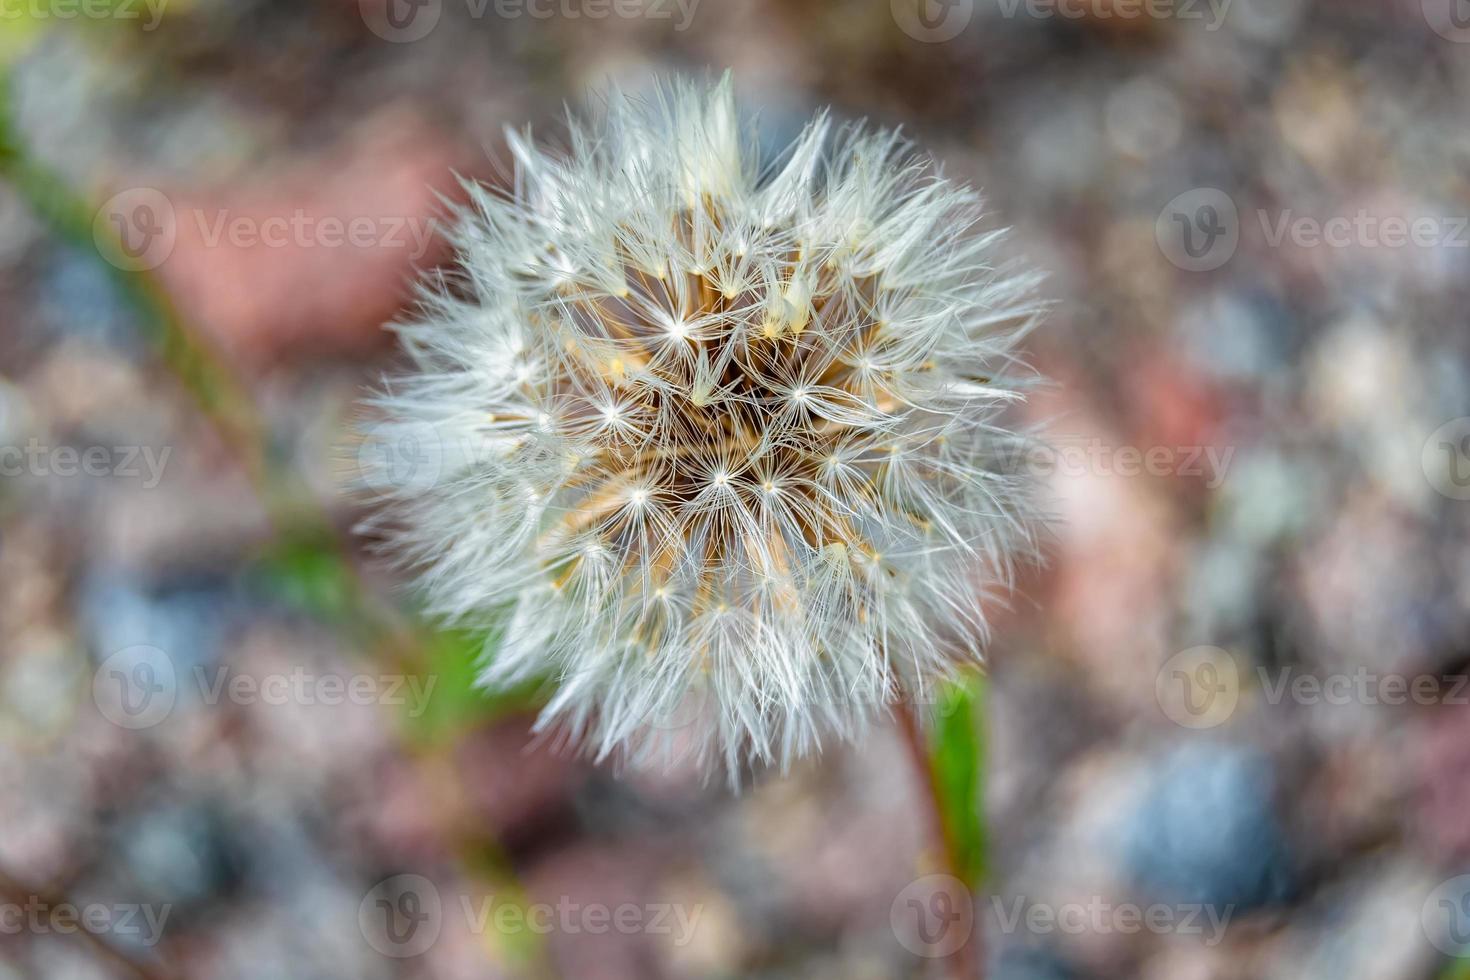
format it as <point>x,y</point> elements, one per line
<point>715,432</point>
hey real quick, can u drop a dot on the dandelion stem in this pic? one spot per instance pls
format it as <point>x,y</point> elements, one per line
<point>966,963</point>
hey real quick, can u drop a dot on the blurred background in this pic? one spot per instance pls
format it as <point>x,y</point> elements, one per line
<point>1224,733</point>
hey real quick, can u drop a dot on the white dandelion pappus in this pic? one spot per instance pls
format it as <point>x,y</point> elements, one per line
<point>735,434</point>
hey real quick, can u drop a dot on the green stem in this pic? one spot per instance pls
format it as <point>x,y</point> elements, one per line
<point>967,962</point>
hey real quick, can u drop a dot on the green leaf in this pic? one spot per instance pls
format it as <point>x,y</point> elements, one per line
<point>958,758</point>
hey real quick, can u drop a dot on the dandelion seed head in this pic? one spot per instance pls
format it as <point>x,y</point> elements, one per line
<point>734,432</point>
